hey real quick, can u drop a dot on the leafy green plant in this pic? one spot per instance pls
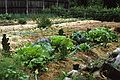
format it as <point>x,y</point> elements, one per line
<point>34,57</point>
<point>10,71</point>
<point>43,23</point>
<point>62,40</point>
<point>84,47</point>
<point>62,45</point>
<point>79,37</point>
<point>102,35</point>
<point>22,21</point>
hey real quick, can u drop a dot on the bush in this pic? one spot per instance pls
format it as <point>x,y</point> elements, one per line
<point>5,16</point>
<point>76,12</point>
<point>44,23</point>
<point>60,10</point>
<point>22,21</point>
<point>94,12</point>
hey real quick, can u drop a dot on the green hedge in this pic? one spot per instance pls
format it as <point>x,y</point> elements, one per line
<point>94,12</point>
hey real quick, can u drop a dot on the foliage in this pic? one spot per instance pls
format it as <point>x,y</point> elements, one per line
<point>43,23</point>
<point>97,35</point>
<point>45,45</point>
<point>84,47</point>
<point>73,3</point>
<point>10,71</point>
<point>87,39</point>
<point>22,21</point>
<point>34,56</point>
<point>61,45</point>
<point>58,10</point>
<point>91,12</point>
<point>111,3</point>
<point>62,40</point>
<point>102,35</point>
<point>5,16</point>
<point>96,63</point>
<point>79,37</point>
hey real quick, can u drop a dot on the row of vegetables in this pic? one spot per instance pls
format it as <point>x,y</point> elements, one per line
<point>36,56</point>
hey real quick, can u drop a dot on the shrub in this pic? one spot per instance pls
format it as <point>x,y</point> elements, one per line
<point>76,12</point>
<point>44,23</point>
<point>95,12</point>
<point>58,10</point>
<point>5,16</point>
<point>22,21</point>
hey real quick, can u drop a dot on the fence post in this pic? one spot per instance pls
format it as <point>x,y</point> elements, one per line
<point>27,7</point>
<point>6,7</point>
<point>57,3</point>
<point>43,4</point>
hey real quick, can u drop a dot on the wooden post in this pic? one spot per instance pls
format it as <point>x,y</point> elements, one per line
<point>27,7</point>
<point>57,3</point>
<point>6,7</point>
<point>43,4</point>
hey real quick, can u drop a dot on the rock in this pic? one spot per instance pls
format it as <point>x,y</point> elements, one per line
<point>67,78</point>
<point>117,50</point>
<point>117,60</point>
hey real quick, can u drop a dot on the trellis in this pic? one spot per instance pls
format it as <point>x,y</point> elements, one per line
<point>28,6</point>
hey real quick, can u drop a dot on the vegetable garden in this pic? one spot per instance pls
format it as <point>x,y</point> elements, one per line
<point>47,45</point>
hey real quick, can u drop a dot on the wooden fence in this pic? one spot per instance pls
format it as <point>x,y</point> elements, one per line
<point>28,6</point>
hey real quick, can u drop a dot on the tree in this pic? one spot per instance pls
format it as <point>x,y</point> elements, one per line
<point>73,3</point>
<point>110,3</point>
